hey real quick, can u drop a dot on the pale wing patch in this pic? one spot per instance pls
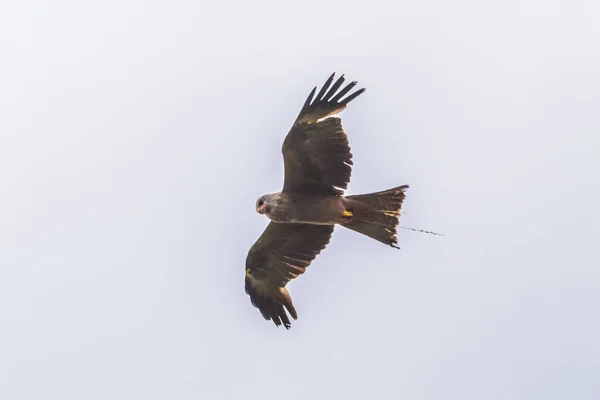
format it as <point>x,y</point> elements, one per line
<point>258,284</point>
<point>334,115</point>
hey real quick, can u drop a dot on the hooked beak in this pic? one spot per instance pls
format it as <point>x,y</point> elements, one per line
<point>261,209</point>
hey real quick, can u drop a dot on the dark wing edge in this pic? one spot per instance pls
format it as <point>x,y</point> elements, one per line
<point>327,102</point>
<point>270,305</point>
<point>282,253</point>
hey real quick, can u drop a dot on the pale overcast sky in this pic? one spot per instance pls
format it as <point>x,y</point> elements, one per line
<point>136,136</point>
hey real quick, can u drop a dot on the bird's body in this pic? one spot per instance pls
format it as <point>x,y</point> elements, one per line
<point>318,164</point>
<point>300,208</point>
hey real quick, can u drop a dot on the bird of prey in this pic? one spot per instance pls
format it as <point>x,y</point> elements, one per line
<point>317,163</point>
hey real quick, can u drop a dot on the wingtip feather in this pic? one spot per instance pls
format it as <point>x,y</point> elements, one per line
<point>272,305</point>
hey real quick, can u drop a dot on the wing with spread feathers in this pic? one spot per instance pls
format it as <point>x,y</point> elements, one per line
<point>283,252</point>
<point>316,152</point>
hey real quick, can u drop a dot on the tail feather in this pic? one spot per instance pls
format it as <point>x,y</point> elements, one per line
<point>377,214</point>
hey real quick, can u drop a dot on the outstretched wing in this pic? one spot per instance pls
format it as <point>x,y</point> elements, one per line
<point>283,252</point>
<point>316,153</point>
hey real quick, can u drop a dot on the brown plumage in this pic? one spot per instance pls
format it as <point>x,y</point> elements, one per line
<point>377,214</point>
<point>281,254</point>
<point>318,165</point>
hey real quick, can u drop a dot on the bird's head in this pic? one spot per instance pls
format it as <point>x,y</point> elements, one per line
<point>265,203</point>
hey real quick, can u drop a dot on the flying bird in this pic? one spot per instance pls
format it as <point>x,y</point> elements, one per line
<point>317,162</point>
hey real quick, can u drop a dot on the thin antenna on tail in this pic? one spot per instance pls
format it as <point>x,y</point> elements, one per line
<point>422,231</point>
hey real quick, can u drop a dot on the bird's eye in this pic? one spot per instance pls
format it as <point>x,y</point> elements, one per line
<point>260,202</point>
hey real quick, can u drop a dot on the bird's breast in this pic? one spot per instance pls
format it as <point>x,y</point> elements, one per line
<point>318,210</point>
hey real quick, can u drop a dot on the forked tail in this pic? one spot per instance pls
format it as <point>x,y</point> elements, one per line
<point>376,214</point>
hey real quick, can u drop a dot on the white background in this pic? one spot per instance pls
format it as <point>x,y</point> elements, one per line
<point>136,136</point>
